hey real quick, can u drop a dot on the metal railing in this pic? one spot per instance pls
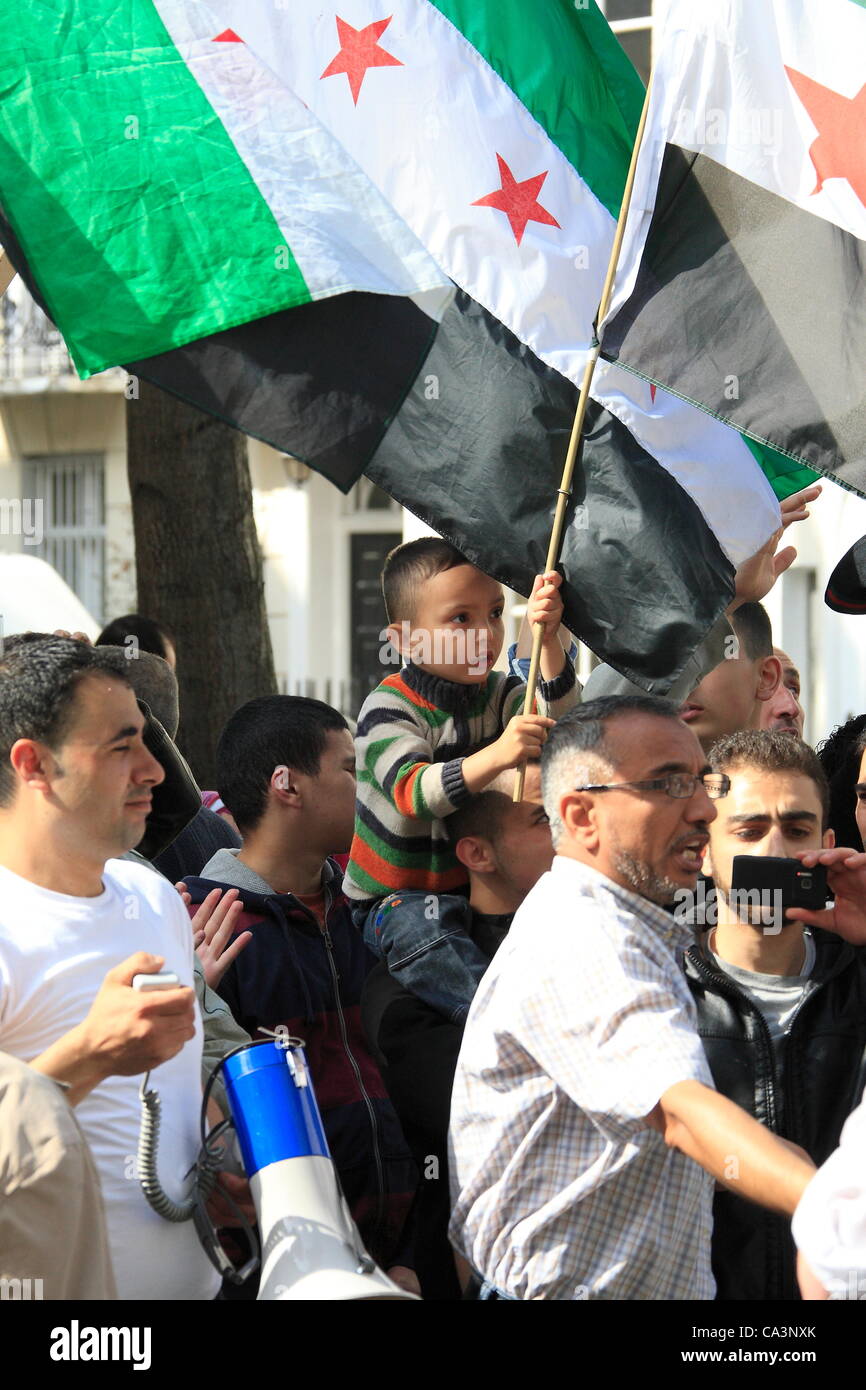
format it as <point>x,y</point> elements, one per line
<point>30,346</point>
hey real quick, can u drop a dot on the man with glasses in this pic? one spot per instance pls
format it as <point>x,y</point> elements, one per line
<point>585,1130</point>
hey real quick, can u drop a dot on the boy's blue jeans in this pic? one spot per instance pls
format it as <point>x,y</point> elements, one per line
<point>424,941</point>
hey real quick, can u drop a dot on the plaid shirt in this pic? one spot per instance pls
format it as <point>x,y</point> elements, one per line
<point>580,1025</point>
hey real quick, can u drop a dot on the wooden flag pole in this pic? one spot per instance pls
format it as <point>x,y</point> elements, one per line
<point>564,491</point>
<point>7,272</point>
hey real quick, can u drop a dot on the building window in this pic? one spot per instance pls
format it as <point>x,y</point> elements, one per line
<point>72,491</point>
<point>367,497</point>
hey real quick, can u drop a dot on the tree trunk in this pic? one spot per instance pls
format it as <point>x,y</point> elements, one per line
<point>198,562</point>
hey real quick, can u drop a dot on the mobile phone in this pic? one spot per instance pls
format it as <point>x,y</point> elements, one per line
<point>787,878</point>
<point>166,979</point>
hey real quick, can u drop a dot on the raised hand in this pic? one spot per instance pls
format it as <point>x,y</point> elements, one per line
<point>757,575</point>
<point>846,878</point>
<point>213,926</point>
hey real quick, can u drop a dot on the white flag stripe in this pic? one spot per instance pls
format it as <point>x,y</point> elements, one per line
<point>428,134</point>
<point>341,231</point>
<point>721,89</point>
<point>709,460</point>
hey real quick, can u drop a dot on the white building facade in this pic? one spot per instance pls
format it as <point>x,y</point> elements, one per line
<point>64,497</point>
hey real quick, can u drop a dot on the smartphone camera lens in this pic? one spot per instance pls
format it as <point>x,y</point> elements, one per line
<point>805,882</point>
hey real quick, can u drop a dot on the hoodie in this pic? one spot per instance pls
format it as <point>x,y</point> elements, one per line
<point>295,975</point>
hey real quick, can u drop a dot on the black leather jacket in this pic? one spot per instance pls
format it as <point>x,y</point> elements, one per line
<point>823,1059</point>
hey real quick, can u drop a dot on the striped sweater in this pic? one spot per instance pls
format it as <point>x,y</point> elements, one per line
<point>414,731</point>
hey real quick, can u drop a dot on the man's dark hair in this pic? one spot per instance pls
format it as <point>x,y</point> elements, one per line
<point>481,815</point>
<point>151,636</point>
<point>583,732</point>
<point>39,676</point>
<point>751,623</point>
<point>840,754</point>
<point>769,751</point>
<point>154,682</point>
<point>269,732</point>
<point>411,565</point>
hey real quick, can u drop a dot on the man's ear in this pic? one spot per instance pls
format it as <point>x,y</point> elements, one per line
<point>577,811</point>
<point>284,781</point>
<point>33,763</point>
<point>828,839</point>
<point>476,854</point>
<point>769,678</point>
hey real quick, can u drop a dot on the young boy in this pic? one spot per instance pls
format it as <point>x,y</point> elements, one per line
<point>429,737</point>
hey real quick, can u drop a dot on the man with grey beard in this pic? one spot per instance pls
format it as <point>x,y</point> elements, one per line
<point>585,1130</point>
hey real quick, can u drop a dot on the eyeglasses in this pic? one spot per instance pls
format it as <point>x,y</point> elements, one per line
<point>679,785</point>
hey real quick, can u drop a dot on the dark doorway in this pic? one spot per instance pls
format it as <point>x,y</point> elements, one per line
<point>367,611</point>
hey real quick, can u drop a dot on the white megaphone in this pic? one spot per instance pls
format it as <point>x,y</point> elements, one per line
<point>311,1248</point>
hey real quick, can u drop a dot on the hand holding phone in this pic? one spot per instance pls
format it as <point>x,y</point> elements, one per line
<point>164,979</point>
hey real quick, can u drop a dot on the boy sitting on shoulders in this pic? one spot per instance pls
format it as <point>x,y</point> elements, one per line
<point>430,736</point>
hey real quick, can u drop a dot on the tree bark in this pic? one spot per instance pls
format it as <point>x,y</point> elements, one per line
<point>198,562</point>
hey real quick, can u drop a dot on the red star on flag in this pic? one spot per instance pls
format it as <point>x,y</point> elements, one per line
<point>359,50</point>
<point>518,200</point>
<point>840,149</point>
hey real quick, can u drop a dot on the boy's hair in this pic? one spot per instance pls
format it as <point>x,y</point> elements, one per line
<point>39,676</point>
<point>751,623</point>
<point>150,635</point>
<point>264,734</point>
<point>408,567</point>
<point>769,751</point>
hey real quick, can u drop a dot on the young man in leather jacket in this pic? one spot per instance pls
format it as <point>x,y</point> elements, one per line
<point>781,1006</point>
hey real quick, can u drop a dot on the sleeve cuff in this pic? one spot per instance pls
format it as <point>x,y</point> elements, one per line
<point>551,691</point>
<point>453,784</point>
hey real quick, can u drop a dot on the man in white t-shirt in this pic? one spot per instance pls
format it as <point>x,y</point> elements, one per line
<point>75,790</point>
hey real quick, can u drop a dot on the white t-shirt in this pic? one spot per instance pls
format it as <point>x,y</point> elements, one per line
<point>55,951</point>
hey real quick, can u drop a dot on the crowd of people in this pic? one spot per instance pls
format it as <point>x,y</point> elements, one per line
<point>557,1052</point>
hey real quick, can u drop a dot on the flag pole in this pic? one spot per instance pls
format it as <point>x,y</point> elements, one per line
<point>7,272</point>
<point>564,490</point>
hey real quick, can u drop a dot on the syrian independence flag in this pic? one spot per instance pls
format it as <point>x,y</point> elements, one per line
<point>266,210</point>
<point>743,280</point>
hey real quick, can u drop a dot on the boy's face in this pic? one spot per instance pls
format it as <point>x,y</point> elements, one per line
<point>457,628</point>
<point>332,792</point>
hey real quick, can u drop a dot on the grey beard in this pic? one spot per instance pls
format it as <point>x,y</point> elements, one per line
<point>644,880</point>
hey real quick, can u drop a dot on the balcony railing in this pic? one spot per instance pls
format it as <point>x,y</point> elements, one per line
<point>30,346</point>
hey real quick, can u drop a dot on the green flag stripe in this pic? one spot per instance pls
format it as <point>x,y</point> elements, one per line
<point>166,237</point>
<point>571,74</point>
<point>784,474</point>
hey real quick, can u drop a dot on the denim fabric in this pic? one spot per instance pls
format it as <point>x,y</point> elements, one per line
<point>424,940</point>
<point>519,665</point>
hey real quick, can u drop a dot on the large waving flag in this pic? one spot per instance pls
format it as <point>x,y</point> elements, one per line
<point>266,209</point>
<point>743,282</point>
